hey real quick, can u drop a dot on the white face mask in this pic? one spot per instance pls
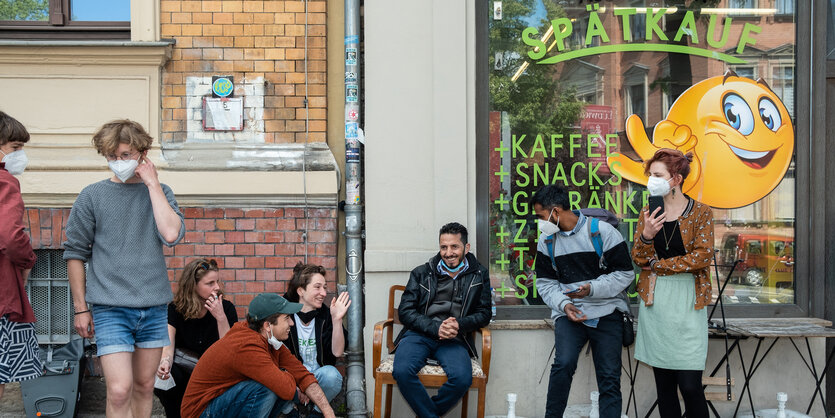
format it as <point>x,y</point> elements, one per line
<point>123,169</point>
<point>547,227</point>
<point>274,341</point>
<point>658,186</point>
<point>16,162</point>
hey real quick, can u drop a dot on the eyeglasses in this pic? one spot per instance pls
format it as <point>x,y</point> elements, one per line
<point>123,156</point>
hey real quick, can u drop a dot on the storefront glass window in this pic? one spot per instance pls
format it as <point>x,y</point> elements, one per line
<point>564,77</point>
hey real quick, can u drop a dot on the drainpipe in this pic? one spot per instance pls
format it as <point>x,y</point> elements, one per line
<point>354,235</point>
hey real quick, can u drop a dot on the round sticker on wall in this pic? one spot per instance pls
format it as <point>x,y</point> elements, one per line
<point>222,87</point>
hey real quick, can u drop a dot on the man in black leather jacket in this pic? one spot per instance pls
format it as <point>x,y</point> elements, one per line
<point>446,299</point>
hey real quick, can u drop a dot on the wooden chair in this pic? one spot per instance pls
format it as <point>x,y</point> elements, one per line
<point>430,376</point>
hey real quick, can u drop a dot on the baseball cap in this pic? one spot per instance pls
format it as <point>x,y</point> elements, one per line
<point>267,304</point>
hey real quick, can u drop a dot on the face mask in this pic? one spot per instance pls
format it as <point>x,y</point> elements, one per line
<point>123,169</point>
<point>274,342</point>
<point>15,162</point>
<point>547,227</point>
<point>452,270</point>
<point>658,186</point>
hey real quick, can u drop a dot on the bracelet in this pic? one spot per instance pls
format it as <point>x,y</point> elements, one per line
<point>81,312</point>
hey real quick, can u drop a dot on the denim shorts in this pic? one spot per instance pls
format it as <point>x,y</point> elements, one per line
<point>119,329</point>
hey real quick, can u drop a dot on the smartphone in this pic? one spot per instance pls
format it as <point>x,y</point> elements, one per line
<point>568,292</point>
<point>656,202</point>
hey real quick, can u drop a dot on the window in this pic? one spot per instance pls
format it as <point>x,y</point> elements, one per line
<point>748,72</point>
<point>65,19</point>
<point>742,4</point>
<point>783,85</point>
<point>785,7</point>
<point>545,127</point>
<point>638,27</point>
<point>635,90</point>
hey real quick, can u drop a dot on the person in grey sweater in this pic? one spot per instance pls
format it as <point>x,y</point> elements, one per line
<point>585,292</point>
<point>118,227</point>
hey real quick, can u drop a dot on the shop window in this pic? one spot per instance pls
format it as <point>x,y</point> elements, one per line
<point>65,19</point>
<point>551,125</point>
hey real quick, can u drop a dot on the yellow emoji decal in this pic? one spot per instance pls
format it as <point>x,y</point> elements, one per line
<point>739,131</point>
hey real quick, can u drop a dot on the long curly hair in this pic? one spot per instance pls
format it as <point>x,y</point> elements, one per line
<point>186,300</point>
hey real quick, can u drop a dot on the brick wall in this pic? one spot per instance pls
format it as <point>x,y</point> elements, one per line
<point>256,249</point>
<point>252,41</point>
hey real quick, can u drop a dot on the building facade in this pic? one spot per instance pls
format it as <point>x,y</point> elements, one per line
<point>254,173</point>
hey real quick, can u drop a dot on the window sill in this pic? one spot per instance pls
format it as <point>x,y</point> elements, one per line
<point>79,52</point>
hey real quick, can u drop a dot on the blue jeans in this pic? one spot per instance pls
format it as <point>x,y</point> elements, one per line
<point>606,344</point>
<point>119,329</point>
<point>246,399</point>
<point>411,356</point>
<point>330,380</point>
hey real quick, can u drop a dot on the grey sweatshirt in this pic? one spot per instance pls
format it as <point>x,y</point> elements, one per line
<point>576,263</point>
<point>112,228</point>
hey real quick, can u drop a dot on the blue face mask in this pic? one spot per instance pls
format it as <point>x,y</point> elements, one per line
<point>453,270</point>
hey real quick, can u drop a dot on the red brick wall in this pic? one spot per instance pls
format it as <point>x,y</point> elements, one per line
<point>256,249</point>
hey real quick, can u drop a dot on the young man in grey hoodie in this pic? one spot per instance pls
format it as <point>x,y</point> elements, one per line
<point>585,293</point>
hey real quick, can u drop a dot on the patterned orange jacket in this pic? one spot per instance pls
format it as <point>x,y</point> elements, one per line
<point>696,226</point>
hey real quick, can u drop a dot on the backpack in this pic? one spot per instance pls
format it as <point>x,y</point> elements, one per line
<point>595,215</point>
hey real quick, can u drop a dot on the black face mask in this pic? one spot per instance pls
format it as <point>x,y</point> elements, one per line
<point>306,317</point>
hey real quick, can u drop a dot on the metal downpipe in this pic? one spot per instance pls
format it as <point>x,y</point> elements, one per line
<point>355,354</point>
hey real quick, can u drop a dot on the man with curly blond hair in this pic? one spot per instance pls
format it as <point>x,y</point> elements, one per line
<point>118,227</point>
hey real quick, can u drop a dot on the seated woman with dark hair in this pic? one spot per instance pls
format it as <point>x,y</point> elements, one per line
<point>197,318</point>
<point>317,336</point>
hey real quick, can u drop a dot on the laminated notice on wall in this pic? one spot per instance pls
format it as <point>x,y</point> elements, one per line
<point>226,114</point>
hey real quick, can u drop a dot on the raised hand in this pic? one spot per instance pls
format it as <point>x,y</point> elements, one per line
<point>339,306</point>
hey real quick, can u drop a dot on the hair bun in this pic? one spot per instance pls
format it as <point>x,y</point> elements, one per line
<point>689,156</point>
<point>298,267</point>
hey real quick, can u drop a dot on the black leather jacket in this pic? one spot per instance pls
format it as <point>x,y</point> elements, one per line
<point>421,291</point>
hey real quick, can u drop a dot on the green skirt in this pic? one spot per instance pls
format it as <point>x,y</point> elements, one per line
<point>672,334</point>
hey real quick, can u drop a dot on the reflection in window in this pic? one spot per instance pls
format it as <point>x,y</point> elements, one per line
<point>748,72</point>
<point>742,4</point>
<point>635,90</point>
<point>638,26</point>
<point>783,86</point>
<point>65,19</point>
<point>785,7</point>
<point>100,10</point>
<point>24,11</point>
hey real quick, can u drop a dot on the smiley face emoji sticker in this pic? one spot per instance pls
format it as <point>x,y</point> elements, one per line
<point>739,131</point>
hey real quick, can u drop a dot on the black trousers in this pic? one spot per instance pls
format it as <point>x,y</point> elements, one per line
<point>689,382</point>
<point>171,399</point>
